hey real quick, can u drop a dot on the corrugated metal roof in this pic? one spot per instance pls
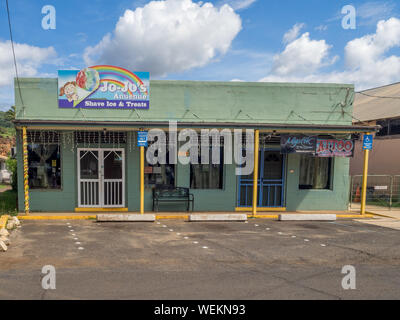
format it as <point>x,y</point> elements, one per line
<point>377,103</point>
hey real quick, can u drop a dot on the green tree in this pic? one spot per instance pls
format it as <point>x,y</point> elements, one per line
<point>9,115</point>
<point>11,165</point>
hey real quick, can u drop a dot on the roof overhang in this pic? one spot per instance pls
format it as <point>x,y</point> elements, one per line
<point>137,125</point>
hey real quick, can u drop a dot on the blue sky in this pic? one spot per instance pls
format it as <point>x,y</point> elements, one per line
<point>206,42</point>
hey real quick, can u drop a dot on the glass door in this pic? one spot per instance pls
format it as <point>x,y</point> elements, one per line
<point>112,178</point>
<point>88,178</point>
<point>101,178</point>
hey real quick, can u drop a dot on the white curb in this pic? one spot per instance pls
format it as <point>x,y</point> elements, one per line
<point>126,217</point>
<point>307,217</point>
<point>218,217</point>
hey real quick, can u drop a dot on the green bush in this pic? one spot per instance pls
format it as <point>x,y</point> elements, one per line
<point>11,165</point>
<point>8,202</point>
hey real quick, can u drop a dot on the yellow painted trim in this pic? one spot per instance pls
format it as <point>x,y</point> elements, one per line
<point>76,217</point>
<point>263,216</point>
<point>26,170</point>
<point>142,180</point>
<point>260,209</point>
<point>101,209</point>
<point>364,182</point>
<point>164,216</point>
<point>255,171</point>
<point>380,215</point>
<point>359,216</point>
<point>3,221</point>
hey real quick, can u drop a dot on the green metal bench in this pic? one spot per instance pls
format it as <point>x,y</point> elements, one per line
<point>170,195</point>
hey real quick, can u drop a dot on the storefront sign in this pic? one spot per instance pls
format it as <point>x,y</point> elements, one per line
<point>142,139</point>
<point>334,148</point>
<point>148,170</point>
<point>298,144</point>
<point>367,142</point>
<point>103,87</point>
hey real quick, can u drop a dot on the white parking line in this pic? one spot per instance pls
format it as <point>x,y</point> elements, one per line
<point>71,230</point>
<point>185,238</point>
<point>77,242</point>
<point>306,240</point>
<point>80,248</point>
<point>178,234</point>
<point>195,242</point>
<point>205,247</point>
<point>323,245</point>
<point>171,230</point>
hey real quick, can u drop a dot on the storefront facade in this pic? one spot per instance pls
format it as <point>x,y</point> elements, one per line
<point>80,158</point>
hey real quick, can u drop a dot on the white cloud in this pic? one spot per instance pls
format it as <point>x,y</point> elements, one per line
<point>367,63</point>
<point>29,59</point>
<point>302,56</point>
<point>167,36</point>
<point>293,33</point>
<point>371,12</point>
<point>322,27</point>
<point>239,4</point>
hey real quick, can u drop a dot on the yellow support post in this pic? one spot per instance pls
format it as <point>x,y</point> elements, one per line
<point>364,182</point>
<point>142,180</point>
<point>26,177</point>
<point>255,173</point>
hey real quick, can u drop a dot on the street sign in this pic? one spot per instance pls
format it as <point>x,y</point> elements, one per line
<point>142,139</point>
<point>367,142</point>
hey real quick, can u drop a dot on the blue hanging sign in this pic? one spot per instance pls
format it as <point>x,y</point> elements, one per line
<point>142,139</point>
<point>367,142</point>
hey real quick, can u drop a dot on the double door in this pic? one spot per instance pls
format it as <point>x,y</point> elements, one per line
<point>101,177</point>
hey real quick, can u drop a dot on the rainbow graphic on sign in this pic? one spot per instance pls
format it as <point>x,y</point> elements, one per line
<point>103,87</point>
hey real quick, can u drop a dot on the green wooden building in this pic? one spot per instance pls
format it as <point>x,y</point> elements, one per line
<point>82,159</point>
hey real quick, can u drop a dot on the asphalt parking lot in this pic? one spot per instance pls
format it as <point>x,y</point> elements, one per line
<point>260,259</point>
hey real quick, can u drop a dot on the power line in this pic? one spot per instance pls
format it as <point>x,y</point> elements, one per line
<point>380,97</point>
<point>13,50</point>
<point>358,120</point>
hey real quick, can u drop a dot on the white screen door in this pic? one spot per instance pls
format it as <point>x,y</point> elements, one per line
<point>101,177</point>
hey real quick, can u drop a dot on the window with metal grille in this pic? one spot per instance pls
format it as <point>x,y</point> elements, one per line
<point>100,137</point>
<point>38,136</point>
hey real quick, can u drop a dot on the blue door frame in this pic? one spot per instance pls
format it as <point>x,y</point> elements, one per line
<point>271,192</point>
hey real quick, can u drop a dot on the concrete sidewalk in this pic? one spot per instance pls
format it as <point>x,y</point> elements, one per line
<point>395,214</point>
<point>178,215</point>
<point>382,211</point>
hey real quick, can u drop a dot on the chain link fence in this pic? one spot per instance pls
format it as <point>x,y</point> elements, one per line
<point>382,191</point>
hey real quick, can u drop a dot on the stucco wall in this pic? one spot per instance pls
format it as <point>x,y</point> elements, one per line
<point>197,101</point>
<point>383,159</point>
